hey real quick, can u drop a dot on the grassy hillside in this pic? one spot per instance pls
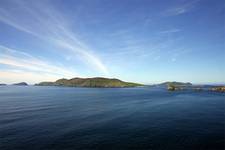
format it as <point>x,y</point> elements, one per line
<point>175,84</point>
<point>90,82</point>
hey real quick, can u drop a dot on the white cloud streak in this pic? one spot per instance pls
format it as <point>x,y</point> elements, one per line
<point>26,63</point>
<point>177,53</point>
<point>169,31</point>
<point>14,76</point>
<point>181,8</point>
<point>40,19</point>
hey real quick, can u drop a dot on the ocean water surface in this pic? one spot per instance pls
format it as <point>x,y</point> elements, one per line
<point>51,118</point>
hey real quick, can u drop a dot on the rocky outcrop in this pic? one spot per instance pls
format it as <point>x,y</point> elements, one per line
<point>218,89</point>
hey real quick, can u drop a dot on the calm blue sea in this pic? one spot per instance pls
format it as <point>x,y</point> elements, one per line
<point>51,118</point>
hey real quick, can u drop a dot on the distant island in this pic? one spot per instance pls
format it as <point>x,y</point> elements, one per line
<point>219,89</point>
<point>174,83</point>
<point>90,82</point>
<point>116,83</point>
<point>174,86</point>
<point>177,86</point>
<point>21,84</point>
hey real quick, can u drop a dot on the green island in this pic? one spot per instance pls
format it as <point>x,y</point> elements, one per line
<point>174,83</point>
<point>90,82</point>
<point>174,86</point>
<point>100,82</point>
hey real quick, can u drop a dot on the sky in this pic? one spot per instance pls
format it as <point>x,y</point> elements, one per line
<point>146,41</point>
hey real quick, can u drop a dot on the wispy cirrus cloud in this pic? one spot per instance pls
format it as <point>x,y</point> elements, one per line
<point>181,8</point>
<point>169,31</point>
<point>42,20</point>
<point>178,53</point>
<point>26,63</point>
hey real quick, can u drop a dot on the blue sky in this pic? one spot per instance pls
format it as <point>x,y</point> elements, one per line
<point>147,41</point>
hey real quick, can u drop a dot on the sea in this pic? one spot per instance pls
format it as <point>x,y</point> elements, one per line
<point>141,118</point>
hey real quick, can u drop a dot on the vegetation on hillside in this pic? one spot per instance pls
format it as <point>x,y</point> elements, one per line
<point>90,82</point>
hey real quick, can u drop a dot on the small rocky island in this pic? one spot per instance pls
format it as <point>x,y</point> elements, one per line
<point>21,84</point>
<point>174,86</point>
<point>178,86</point>
<point>90,82</point>
<point>218,89</point>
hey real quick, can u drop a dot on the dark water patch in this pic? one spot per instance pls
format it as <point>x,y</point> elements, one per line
<point>97,118</point>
